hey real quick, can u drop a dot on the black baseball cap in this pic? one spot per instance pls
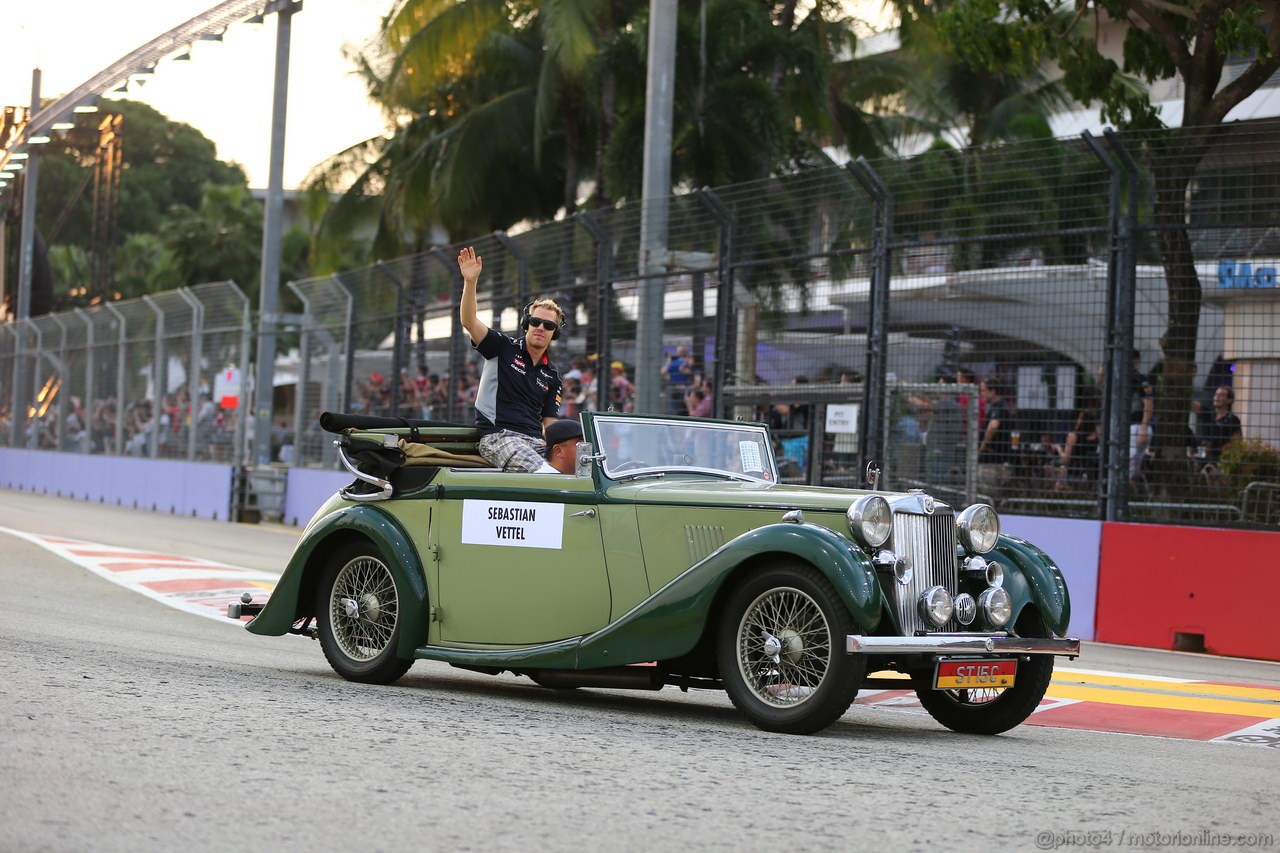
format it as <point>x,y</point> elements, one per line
<point>563,430</point>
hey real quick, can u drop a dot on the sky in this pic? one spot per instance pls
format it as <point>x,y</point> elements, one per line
<point>225,91</point>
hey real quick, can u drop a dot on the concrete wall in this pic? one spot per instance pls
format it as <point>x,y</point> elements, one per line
<point>160,485</point>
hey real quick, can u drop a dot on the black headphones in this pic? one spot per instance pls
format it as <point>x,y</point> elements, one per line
<point>526,316</point>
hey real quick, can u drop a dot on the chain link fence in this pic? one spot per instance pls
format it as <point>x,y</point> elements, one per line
<point>1080,327</point>
<point>160,377</point>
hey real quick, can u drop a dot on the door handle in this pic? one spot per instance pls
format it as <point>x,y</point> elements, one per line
<point>586,513</point>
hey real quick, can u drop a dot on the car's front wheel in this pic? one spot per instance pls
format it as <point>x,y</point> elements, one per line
<point>358,616</point>
<point>989,711</point>
<point>780,650</point>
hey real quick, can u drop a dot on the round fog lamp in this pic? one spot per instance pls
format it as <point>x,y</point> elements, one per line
<point>936,605</point>
<point>978,529</point>
<point>871,520</point>
<point>996,606</point>
<point>966,608</point>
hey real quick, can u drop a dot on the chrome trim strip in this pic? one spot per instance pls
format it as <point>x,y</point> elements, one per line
<point>961,643</point>
<point>384,485</point>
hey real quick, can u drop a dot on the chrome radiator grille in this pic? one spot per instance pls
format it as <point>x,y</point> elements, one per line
<point>929,544</point>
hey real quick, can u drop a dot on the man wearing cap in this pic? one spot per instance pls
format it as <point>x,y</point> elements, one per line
<point>562,447</point>
<point>519,392</point>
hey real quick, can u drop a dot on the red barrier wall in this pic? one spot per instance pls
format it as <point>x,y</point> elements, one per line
<point>1156,581</point>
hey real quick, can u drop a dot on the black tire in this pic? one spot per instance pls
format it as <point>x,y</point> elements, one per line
<point>780,647</point>
<point>987,711</point>
<point>358,616</point>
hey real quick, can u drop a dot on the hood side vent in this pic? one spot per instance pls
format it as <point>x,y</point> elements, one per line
<point>702,540</point>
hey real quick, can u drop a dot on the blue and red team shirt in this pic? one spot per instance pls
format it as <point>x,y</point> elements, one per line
<point>515,393</point>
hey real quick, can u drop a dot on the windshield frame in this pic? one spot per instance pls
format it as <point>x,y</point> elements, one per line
<point>608,429</point>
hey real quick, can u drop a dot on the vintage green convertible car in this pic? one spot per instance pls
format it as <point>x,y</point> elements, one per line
<point>673,557</point>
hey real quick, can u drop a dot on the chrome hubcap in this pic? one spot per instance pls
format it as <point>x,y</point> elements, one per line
<point>363,608</point>
<point>784,647</point>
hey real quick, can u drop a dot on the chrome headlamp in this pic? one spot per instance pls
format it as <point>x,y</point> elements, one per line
<point>996,606</point>
<point>936,605</point>
<point>978,529</point>
<point>871,521</point>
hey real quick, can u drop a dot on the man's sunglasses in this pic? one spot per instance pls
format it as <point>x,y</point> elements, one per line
<point>538,322</point>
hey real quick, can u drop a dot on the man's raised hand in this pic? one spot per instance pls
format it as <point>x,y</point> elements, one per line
<point>470,264</point>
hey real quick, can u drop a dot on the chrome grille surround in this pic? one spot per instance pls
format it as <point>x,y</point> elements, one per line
<point>928,540</point>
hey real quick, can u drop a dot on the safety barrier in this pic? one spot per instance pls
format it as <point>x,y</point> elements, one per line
<point>159,485</point>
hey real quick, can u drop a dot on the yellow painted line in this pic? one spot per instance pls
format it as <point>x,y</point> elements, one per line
<point>902,676</point>
<point>1066,676</point>
<point>1138,699</point>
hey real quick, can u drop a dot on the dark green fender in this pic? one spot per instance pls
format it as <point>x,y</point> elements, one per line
<point>287,603</point>
<point>1038,581</point>
<point>670,622</point>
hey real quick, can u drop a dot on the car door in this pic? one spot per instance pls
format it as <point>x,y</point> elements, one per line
<point>520,566</point>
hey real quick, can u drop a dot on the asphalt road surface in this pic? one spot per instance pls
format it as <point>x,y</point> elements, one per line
<point>129,725</point>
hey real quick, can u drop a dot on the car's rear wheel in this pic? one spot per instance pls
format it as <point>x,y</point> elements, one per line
<point>989,711</point>
<point>781,650</point>
<point>358,616</point>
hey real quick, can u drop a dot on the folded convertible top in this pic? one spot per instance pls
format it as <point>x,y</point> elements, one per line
<point>339,422</point>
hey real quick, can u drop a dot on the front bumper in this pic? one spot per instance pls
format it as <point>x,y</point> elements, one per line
<point>855,644</point>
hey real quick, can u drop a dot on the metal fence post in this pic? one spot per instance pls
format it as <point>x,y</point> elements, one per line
<point>725,297</point>
<point>32,410</point>
<point>121,345</point>
<point>871,438</point>
<point>193,371</point>
<point>522,267</point>
<point>1114,475</point>
<point>349,338</point>
<point>304,376</point>
<point>158,378</point>
<point>89,365</point>
<point>14,407</point>
<point>60,427</point>
<point>604,285</point>
<point>1127,285</point>
<point>457,351</point>
<point>401,335</point>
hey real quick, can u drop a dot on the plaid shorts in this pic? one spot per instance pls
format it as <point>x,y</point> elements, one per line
<point>512,451</point>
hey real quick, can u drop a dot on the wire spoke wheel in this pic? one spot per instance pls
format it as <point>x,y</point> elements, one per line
<point>780,650</point>
<point>990,710</point>
<point>363,608</point>
<point>358,616</point>
<point>784,647</point>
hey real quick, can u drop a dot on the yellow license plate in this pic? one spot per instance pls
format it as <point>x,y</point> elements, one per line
<point>974,674</point>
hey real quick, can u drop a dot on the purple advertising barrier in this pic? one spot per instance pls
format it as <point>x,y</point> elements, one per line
<point>306,489</point>
<point>156,485</point>
<point>1074,544</point>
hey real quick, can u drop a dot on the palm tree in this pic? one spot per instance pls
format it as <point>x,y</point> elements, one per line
<point>494,117</point>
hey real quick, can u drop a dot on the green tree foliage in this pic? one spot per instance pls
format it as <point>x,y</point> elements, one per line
<point>502,110</point>
<point>743,97</point>
<point>166,163</point>
<point>218,240</point>
<point>1190,38</point>
<point>144,264</point>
